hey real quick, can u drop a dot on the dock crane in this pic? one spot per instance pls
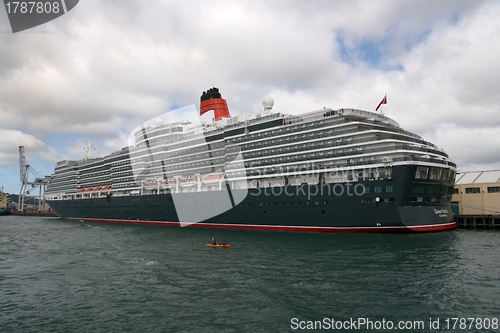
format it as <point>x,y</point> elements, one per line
<point>39,182</point>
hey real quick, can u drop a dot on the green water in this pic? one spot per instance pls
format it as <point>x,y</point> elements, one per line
<point>70,276</point>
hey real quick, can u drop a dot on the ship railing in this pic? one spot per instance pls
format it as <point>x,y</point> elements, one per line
<point>422,159</point>
<point>314,156</point>
<point>84,162</point>
<point>375,124</point>
<point>327,112</point>
<point>244,123</point>
<point>308,168</point>
<point>391,125</point>
<point>211,132</point>
<point>301,130</point>
<point>119,152</point>
<point>370,114</point>
<point>319,159</point>
<point>306,117</point>
<point>343,141</point>
<point>318,167</point>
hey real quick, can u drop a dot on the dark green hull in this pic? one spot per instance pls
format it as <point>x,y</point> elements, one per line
<point>366,205</point>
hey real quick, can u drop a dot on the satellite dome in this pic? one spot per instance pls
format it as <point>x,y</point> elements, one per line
<point>268,103</point>
<point>158,122</point>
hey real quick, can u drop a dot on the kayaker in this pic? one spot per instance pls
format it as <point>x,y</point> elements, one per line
<point>215,241</point>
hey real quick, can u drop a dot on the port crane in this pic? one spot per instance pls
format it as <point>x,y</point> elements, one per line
<point>39,182</point>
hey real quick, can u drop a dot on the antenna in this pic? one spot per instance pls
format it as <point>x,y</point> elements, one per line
<point>89,151</point>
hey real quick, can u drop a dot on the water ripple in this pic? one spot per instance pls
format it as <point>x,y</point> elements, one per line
<point>67,276</point>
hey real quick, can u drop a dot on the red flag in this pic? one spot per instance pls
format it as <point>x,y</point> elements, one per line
<point>384,101</point>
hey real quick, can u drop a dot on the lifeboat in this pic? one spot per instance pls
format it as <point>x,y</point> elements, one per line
<point>213,179</point>
<point>151,184</point>
<point>188,181</point>
<point>170,182</point>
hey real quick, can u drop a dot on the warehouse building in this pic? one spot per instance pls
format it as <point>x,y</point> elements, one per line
<point>477,193</point>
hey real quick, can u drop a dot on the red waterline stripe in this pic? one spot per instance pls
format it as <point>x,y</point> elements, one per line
<point>435,227</point>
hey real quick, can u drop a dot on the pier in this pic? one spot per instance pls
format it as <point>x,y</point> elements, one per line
<point>478,221</point>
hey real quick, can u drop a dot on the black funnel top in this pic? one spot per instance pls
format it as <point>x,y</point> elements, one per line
<point>210,94</point>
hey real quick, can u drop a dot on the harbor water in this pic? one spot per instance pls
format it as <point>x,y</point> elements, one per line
<point>73,276</point>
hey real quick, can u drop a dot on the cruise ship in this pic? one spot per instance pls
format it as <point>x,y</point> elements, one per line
<point>329,170</point>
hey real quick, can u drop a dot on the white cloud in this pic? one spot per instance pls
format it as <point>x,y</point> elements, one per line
<point>39,156</point>
<point>449,87</point>
<point>470,146</point>
<point>12,139</point>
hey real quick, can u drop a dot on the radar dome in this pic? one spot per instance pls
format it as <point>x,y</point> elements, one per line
<point>158,122</point>
<point>268,103</point>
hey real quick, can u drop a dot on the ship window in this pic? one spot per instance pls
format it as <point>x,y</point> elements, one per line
<point>316,203</point>
<point>452,176</point>
<point>378,189</point>
<point>367,190</point>
<point>421,173</point>
<point>418,188</point>
<point>325,202</point>
<point>389,189</point>
<point>307,203</point>
<point>417,199</point>
<point>433,189</point>
<point>435,173</point>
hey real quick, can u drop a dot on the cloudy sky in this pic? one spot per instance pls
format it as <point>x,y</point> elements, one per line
<point>106,66</point>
